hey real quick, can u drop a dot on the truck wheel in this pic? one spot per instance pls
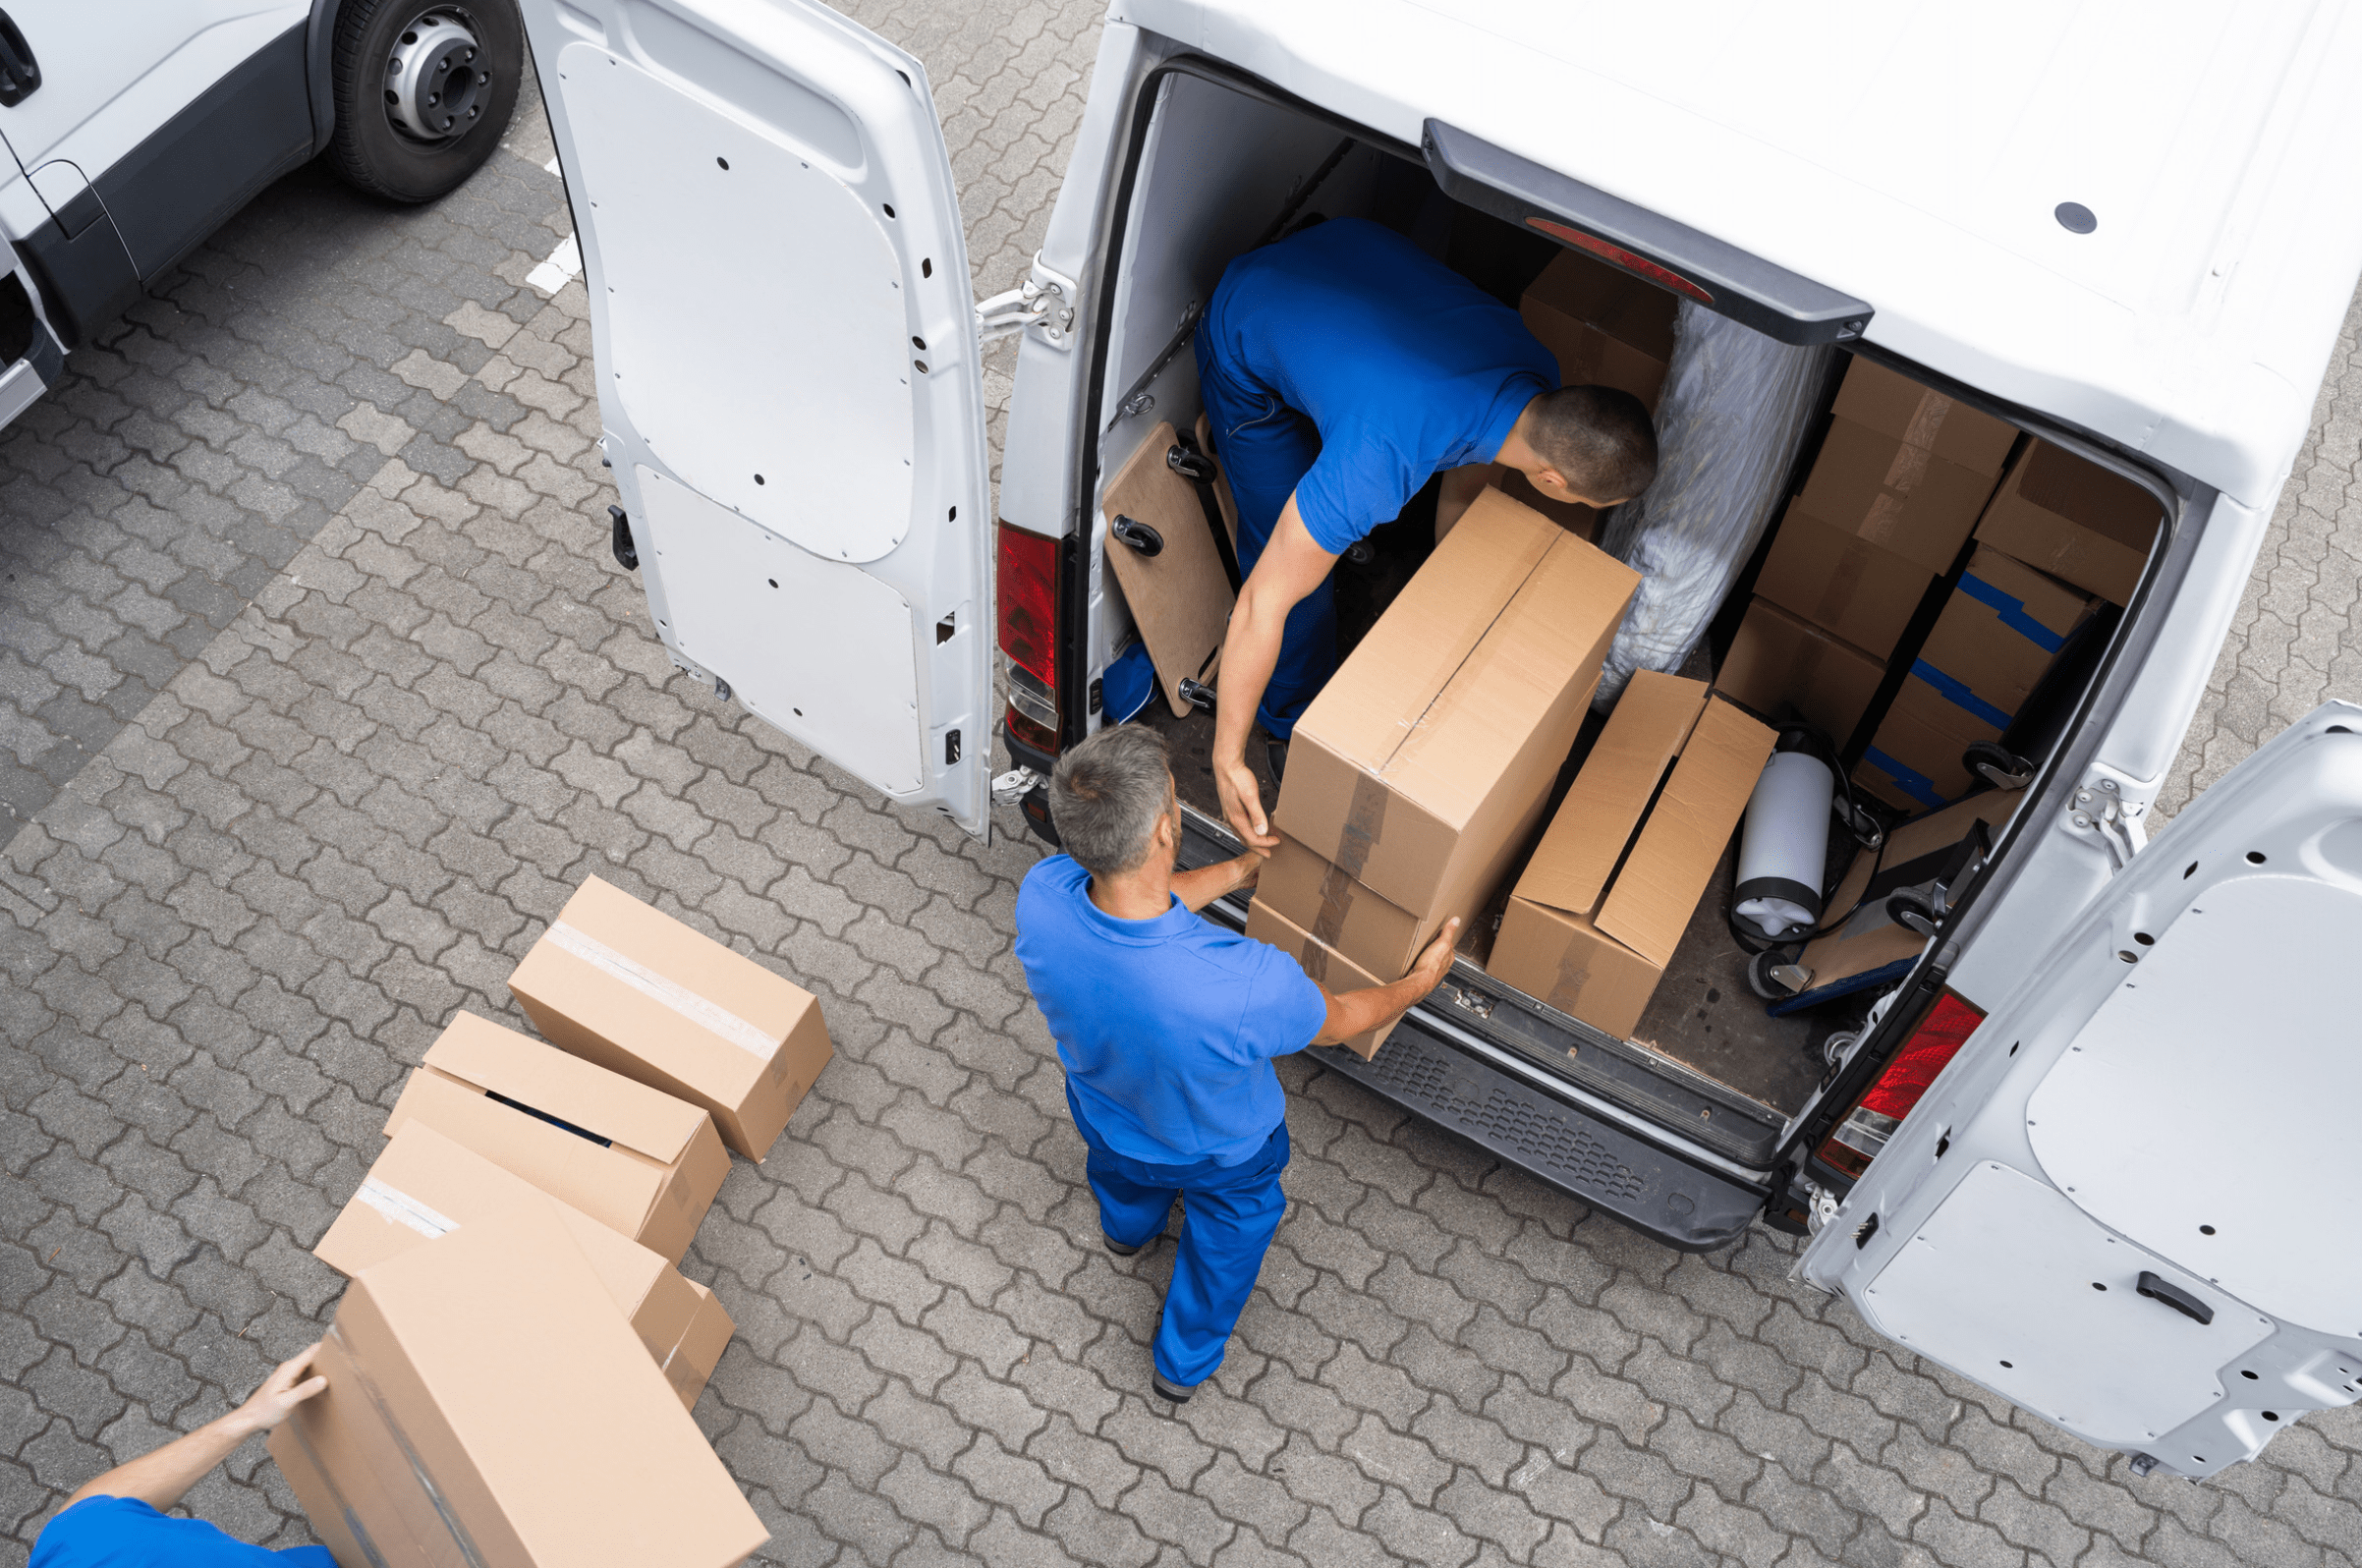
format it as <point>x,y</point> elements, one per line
<point>424,91</point>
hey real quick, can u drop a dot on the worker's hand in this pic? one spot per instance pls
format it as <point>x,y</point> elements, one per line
<point>1434,960</point>
<point>1247,867</point>
<point>283,1389</point>
<point>1241,804</point>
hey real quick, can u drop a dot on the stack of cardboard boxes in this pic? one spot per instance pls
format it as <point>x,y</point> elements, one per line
<point>512,1366</point>
<point>1418,773</point>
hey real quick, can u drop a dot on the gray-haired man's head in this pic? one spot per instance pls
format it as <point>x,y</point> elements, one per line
<point>1107,795</point>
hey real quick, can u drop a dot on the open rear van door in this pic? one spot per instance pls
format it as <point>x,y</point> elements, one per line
<point>787,353</point>
<point>2129,1204</point>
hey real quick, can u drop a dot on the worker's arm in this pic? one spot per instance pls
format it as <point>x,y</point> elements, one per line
<point>1200,887</point>
<point>1353,1014</point>
<point>1461,487</point>
<point>1291,566</point>
<point>159,1479</point>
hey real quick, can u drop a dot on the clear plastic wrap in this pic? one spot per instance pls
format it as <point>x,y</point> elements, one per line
<point>1735,409</point>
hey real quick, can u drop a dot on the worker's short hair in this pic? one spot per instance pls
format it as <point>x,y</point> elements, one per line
<point>1107,795</point>
<point>1598,437</point>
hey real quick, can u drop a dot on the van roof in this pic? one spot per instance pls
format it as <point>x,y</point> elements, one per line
<point>1913,155</point>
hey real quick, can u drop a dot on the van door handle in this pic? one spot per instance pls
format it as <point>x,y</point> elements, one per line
<point>19,73</point>
<point>2173,1296</point>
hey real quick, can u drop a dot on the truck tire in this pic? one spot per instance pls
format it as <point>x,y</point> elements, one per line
<point>424,91</point>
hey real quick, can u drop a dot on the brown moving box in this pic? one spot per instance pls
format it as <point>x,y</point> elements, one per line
<point>1607,328</point>
<point>425,1186</point>
<point>1324,964</point>
<point>1596,949</point>
<point>1383,939</point>
<point>1905,467</point>
<point>493,1368</point>
<point>2074,520</point>
<point>632,1158</point>
<point>1914,761</point>
<point>635,990</point>
<point>1777,657</point>
<point>1914,854</point>
<point>1432,750</point>
<point>1863,594</point>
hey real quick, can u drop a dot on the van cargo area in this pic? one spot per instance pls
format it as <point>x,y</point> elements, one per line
<point>1928,586</point>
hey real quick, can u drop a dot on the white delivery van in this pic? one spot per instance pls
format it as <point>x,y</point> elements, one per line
<point>2085,1149</point>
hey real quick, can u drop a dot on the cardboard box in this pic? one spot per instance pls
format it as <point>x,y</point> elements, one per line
<point>1436,743</point>
<point>1776,658</point>
<point>1607,328</point>
<point>1374,935</point>
<point>635,990</point>
<point>1914,760</point>
<point>1327,966</point>
<point>494,1367</point>
<point>1861,593</point>
<point>1591,936</point>
<point>2075,521</point>
<point>1893,405</point>
<point>425,1187</point>
<point>1915,853</point>
<point>1581,521</point>
<point>1905,467</point>
<point>632,1158</point>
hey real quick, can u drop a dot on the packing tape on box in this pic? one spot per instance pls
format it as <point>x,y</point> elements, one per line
<point>1908,467</point>
<point>1336,902</point>
<point>1315,959</point>
<point>1568,986</point>
<point>461,1540</point>
<point>1365,823</point>
<point>708,1016</point>
<point>404,1210</point>
<point>2013,613</point>
<point>1927,419</point>
<point>1956,693</point>
<point>1837,593</point>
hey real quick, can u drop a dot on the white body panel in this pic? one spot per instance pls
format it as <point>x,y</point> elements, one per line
<point>787,358</point>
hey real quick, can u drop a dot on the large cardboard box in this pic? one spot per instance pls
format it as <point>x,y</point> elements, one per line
<point>1905,467</point>
<point>632,1158</point>
<point>2074,520</point>
<point>1324,964</point>
<point>1607,328</point>
<point>1375,934</point>
<point>425,1187</point>
<point>1432,750</point>
<point>635,990</point>
<point>487,1404</point>
<point>1914,760</point>
<point>1777,657</point>
<point>1592,927</point>
<point>1862,593</point>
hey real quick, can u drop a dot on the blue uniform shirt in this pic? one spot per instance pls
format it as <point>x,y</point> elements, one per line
<point>125,1533</point>
<point>1406,367</point>
<point>1167,1027</point>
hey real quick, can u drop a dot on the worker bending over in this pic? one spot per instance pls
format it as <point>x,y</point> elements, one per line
<point>1341,369</point>
<point>1167,1025</point>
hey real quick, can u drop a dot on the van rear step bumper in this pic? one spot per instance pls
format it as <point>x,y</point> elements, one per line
<point>1656,1193</point>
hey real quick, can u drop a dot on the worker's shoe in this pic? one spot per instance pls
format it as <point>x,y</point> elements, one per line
<point>1173,1393</point>
<point>1117,1247</point>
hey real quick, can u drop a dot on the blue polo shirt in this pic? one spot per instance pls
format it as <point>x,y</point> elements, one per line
<point>126,1532</point>
<point>1167,1027</point>
<point>1407,367</point>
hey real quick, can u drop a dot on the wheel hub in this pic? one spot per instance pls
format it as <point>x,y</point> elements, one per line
<point>434,89</point>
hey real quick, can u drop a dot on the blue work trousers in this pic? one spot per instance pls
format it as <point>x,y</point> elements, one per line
<point>1265,447</point>
<point>1230,1212</point>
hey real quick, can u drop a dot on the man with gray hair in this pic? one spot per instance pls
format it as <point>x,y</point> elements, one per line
<point>1167,1025</point>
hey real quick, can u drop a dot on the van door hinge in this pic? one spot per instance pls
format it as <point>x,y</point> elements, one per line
<point>1046,300</point>
<point>2100,811</point>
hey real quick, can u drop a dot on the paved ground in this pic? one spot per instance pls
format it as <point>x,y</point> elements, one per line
<point>318,693</point>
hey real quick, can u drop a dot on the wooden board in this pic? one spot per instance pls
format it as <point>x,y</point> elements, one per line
<point>1221,482</point>
<point>1180,597</point>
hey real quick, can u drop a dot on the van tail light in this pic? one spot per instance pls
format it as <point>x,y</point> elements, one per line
<point>1857,1139</point>
<point>1028,595</point>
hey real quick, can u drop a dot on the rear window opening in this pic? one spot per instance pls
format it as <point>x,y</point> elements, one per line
<point>1930,589</point>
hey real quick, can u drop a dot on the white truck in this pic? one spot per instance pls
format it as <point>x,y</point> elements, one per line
<point>2088,1149</point>
<point>130,130</point>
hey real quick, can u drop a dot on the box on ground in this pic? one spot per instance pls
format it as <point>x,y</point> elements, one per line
<point>1862,593</point>
<point>1777,657</point>
<point>425,1187</point>
<point>1428,756</point>
<point>1905,467</point>
<point>1592,927</point>
<point>1916,854</point>
<point>1326,966</point>
<point>1606,327</point>
<point>2074,520</point>
<point>635,990</point>
<point>493,1367</point>
<point>632,1158</point>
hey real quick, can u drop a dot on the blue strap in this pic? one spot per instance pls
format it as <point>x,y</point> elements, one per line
<point>1918,786</point>
<point>2013,612</point>
<point>1959,695</point>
